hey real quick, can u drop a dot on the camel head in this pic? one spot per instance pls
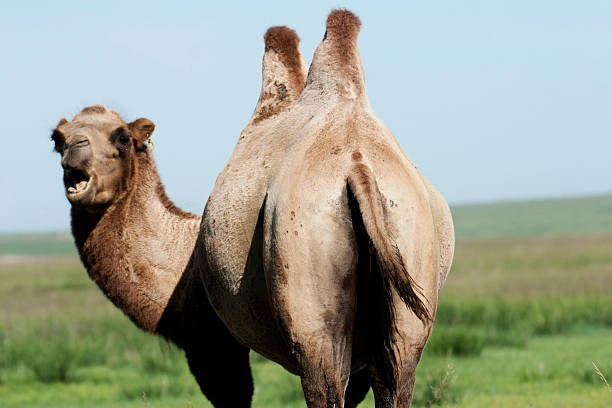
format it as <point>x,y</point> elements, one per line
<point>99,151</point>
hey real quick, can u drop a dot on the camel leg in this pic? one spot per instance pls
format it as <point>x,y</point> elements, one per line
<point>321,334</point>
<point>357,389</point>
<point>325,374</point>
<point>222,372</point>
<point>394,392</point>
<point>312,280</point>
<point>391,393</point>
<point>218,362</point>
<point>392,376</point>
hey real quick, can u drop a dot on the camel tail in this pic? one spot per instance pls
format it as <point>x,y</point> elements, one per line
<point>368,215</point>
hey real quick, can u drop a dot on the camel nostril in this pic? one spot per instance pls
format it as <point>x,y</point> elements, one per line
<point>68,167</point>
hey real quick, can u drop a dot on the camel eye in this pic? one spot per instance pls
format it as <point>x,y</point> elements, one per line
<point>121,137</point>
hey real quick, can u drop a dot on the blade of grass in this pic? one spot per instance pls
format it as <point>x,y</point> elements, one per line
<point>603,377</point>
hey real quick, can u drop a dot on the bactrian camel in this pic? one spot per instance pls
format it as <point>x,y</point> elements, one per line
<point>138,246</point>
<point>323,247</point>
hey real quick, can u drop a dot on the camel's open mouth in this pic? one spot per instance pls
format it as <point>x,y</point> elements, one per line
<point>77,183</point>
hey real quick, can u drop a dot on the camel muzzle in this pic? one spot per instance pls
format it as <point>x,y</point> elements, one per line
<point>76,155</point>
<point>76,176</point>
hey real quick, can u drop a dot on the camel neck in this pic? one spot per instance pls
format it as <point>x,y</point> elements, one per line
<point>138,249</point>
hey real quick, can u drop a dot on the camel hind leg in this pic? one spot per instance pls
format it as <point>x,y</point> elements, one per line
<point>324,378</point>
<point>393,367</point>
<point>396,341</point>
<point>355,392</point>
<point>314,300</point>
<point>321,339</point>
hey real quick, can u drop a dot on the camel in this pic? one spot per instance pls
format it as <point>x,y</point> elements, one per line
<point>322,246</point>
<point>138,247</point>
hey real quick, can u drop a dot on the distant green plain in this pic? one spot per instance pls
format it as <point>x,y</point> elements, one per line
<point>525,311</point>
<point>542,218</point>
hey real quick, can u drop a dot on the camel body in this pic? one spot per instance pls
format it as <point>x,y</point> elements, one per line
<point>291,226</point>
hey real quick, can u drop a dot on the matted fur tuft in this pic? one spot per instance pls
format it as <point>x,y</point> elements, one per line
<point>285,42</point>
<point>339,50</point>
<point>282,83</point>
<point>342,26</point>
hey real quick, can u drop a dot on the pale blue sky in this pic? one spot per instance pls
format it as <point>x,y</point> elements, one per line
<point>493,100</point>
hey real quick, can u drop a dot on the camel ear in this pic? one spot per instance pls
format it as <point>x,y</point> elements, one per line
<point>142,129</point>
<point>58,137</point>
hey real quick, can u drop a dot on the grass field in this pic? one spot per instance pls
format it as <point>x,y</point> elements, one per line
<point>553,217</point>
<point>521,319</point>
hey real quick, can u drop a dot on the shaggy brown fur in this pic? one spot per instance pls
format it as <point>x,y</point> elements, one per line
<point>342,27</point>
<point>106,251</point>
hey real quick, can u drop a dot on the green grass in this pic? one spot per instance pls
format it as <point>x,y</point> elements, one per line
<point>519,322</point>
<point>108,362</point>
<point>549,371</point>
